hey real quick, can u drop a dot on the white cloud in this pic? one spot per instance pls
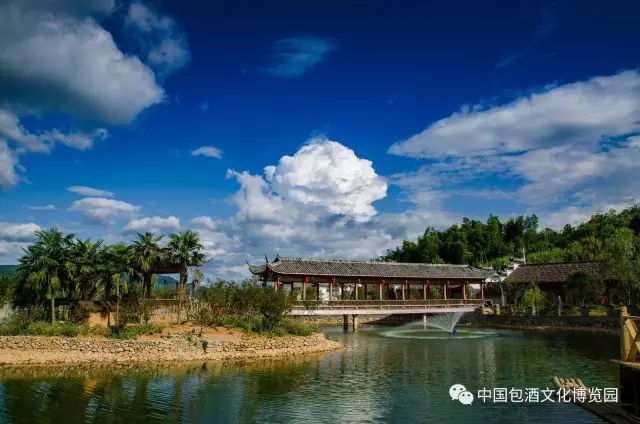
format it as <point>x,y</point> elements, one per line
<point>17,232</point>
<point>577,114</point>
<point>8,164</point>
<point>10,251</point>
<point>90,191</point>
<point>52,57</point>
<point>317,202</point>
<point>575,215</point>
<point>16,140</point>
<point>161,42</point>
<point>5,249</point>
<point>12,130</point>
<point>608,175</point>
<point>292,57</point>
<point>56,57</point>
<point>49,207</point>
<point>153,224</point>
<point>209,151</point>
<point>325,175</point>
<point>204,221</point>
<point>80,141</point>
<point>100,209</point>
<point>564,152</point>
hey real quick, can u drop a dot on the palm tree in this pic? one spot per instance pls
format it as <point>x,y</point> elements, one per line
<point>42,265</point>
<point>85,267</point>
<point>118,263</point>
<point>145,253</point>
<point>186,250</point>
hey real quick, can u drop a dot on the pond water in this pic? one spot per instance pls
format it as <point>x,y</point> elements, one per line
<point>396,375</point>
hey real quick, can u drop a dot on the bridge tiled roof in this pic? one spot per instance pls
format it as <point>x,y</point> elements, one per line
<point>557,273</point>
<point>371,269</point>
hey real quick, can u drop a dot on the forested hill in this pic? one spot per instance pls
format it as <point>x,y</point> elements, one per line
<point>7,270</point>
<point>493,242</point>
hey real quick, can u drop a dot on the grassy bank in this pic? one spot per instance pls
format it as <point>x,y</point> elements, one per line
<point>39,328</point>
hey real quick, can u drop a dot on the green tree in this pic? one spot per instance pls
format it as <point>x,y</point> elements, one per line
<point>42,266</point>
<point>274,305</point>
<point>622,262</point>
<point>533,298</point>
<point>118,266</point>
<point>185,249</point>
<point>583,289</point>
<point>145,254</point>
<point>83,265</point>
<point>429,245</point>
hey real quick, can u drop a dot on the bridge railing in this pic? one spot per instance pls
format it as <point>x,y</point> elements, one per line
<point>388,304</point>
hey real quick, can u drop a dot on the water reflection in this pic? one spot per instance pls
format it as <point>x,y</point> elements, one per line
<point>375,379</point>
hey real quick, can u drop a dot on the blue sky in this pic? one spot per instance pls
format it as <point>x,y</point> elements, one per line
<point>331,129</point>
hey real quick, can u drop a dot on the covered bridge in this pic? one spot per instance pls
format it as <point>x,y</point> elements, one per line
<point>377,278</point>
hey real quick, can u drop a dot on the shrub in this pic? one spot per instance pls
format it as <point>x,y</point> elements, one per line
<point>248,323</point>
<point>57,329</point>
<point>20,320</point>
<point>297,327</point>
<point>274,304</point>
<point>10,329</point>
<point>201,312</point>
<point>132,332</point>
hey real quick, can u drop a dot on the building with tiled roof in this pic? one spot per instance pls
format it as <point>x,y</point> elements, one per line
<point>552,274</point>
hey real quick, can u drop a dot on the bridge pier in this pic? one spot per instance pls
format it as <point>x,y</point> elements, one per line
<point>345,322</point>
<point>424,321</point>
<point>355,322</point>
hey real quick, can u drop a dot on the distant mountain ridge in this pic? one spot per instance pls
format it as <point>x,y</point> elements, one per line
<point>7,270</point>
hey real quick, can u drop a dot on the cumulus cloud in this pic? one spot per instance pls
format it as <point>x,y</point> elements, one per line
<point>17,232</point>
<point>53,57</point>
<point>90,191</point>
<point>323,175</point>
<point>563,152</point>
<point>209,151</point>
<point>158,37</point>
<point>153,224</point>
<point>318,202</point>
<point>292,57</point>
<point>101,210</point>
<point>577,114</point>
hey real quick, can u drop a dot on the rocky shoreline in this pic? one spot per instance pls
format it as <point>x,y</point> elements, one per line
<point>21,350</point>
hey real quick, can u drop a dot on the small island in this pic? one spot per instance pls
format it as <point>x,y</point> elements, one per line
<point>171,344</point>
<point>78,301</point>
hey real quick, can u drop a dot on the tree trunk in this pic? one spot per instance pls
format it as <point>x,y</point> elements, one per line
<point>118,304</point>
<point>146,293</point>
<point>53,309</point>
<point>147,284</point>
